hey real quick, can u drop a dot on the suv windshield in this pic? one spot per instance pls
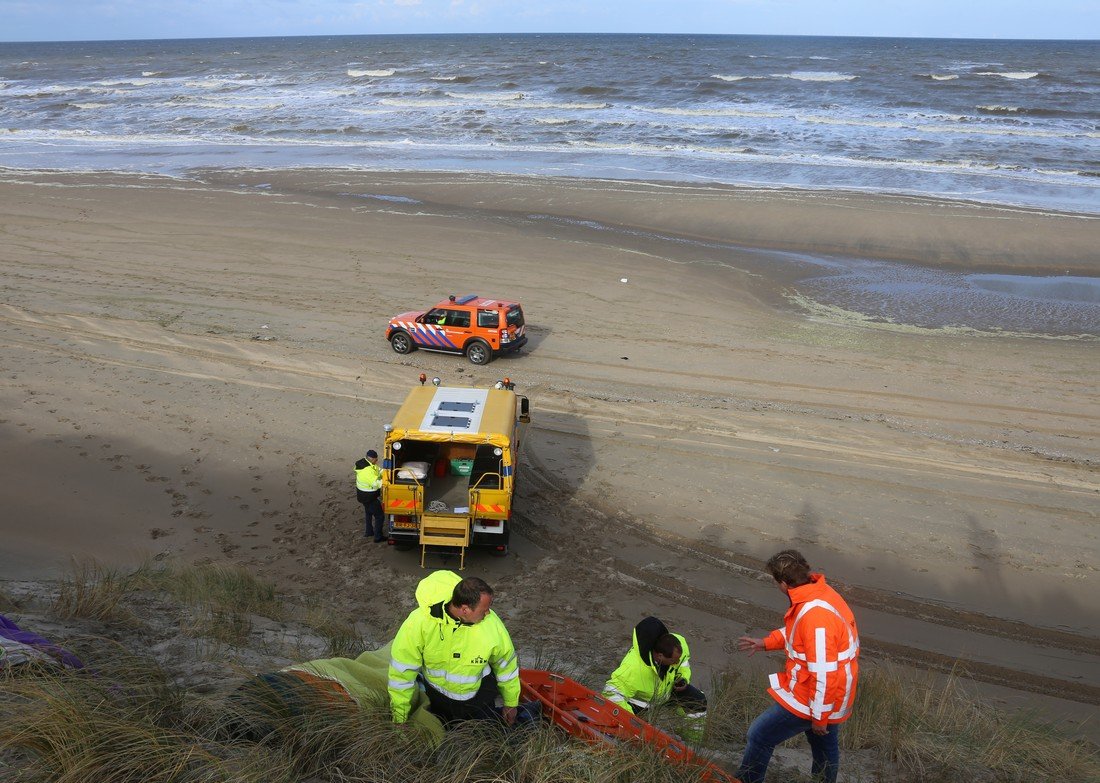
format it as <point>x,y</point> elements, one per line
<point>514,316</point>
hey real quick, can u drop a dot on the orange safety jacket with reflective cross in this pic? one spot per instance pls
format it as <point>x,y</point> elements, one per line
<point>822,645</point>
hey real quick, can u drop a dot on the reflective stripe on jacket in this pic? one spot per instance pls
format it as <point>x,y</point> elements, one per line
<point>639,680</point>
<point>368,477</point>
<point>452,656</point>
<point>822,646</point>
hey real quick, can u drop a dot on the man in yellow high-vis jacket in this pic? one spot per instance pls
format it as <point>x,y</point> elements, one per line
<point>368,491</point>
<point>459,649</point>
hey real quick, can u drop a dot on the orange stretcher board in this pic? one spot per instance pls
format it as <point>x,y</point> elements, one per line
<point>587,715</point>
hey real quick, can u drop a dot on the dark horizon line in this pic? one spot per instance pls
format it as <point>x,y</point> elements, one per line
<point>544,33</point>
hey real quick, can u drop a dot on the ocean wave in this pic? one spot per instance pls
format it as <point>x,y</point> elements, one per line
<point>940,77</point>
<point>454,79</point>
<point>589,89</point>
<point>1023,110</point>
<point>553,120</point>
<point>417,103</point>
<point>210,84</point>
<point>724,78</point>
<point>567,106</point>
<point>1009,74</point>
<point>816,76</point>
<point>154,73</point>
<point>89,106</point>
<point>492,97</point>
<point>713,112</point>
<point>125,82</point>
<point>357,74</point>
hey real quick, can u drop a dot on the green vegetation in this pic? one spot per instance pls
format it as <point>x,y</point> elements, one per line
<point>223,598</point>
<point>126,719</point>
<point>342,638</point>
<point>96,593</point>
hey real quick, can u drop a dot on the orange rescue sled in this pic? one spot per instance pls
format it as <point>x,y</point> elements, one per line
<point>587,715</point>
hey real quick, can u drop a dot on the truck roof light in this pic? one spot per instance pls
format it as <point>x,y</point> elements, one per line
<point>423,378</point>
<point>435,381</point>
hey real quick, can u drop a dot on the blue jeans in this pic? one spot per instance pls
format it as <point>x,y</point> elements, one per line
<point>775,725</point>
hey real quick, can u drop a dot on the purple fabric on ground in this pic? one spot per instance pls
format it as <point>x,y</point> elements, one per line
<point>19,646</point>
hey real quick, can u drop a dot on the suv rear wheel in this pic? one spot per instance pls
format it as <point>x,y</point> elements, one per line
<point>478,352</point>
<point>401,342</point>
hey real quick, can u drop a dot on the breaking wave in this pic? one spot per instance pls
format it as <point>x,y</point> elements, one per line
<point>816,76</point>
<point>1009,74</point>
<point>357,74</point>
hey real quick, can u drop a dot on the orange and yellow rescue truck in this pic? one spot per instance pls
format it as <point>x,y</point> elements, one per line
<point>449,466</point>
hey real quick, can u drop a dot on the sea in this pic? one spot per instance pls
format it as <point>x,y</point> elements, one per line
<point>993,121</point>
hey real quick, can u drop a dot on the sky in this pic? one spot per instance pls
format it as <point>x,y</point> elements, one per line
<point>68,20</point>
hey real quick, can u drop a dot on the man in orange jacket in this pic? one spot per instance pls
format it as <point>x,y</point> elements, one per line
<point>816,692</point>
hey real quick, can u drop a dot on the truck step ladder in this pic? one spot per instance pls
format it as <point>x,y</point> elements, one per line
<point>448,531</point>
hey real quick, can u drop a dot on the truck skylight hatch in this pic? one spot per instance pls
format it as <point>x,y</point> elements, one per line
<point>463,407</point>
<point>451,421</point>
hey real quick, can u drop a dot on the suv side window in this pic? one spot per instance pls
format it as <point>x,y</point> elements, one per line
<point>458,318</point>
<point>488,319</point>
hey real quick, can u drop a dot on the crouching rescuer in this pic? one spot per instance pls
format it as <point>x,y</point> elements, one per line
<point>656,671</point>
<point>456,648</point>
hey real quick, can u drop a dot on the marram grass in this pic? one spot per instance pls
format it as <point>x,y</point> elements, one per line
<point>123,720</point>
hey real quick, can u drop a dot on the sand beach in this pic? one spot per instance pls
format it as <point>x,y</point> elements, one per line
<point>190,367</point>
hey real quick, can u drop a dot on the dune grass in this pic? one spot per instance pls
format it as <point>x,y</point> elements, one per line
<point>96,592</point>
<point>931,728</point>
<point>342,638</point>
<point>123,720</point>
<point>921,729</point>
<point>223,598</point>
<point>77,726</point>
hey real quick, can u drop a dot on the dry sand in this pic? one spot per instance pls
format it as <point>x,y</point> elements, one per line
<point>190,368</point>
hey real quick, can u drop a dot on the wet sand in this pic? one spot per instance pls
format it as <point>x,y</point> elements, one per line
<point>190,368</point>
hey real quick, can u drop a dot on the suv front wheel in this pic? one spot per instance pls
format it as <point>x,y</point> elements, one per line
<point>401,342</point>
<point>479,352</point>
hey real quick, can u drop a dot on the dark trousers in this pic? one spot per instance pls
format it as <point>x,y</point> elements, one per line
<point>689,698</point>
<point>481,707</point>
<point>372,508</point>
<point>775,725</point>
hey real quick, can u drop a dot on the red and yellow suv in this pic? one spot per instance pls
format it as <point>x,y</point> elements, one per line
<point>478,327</point>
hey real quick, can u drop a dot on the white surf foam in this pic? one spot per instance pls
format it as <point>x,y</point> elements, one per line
<point>942,77</point>
<point>378,73</point>
<point>816,76</point>
<point>494,97</point>
<point>417,103</point>
<point>1010,74</point>
<point>566,106</point>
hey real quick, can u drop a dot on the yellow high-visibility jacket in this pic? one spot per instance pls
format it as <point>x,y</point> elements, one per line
<point>452,656</point>
<point>368,477</point>
<point>641,681</point>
